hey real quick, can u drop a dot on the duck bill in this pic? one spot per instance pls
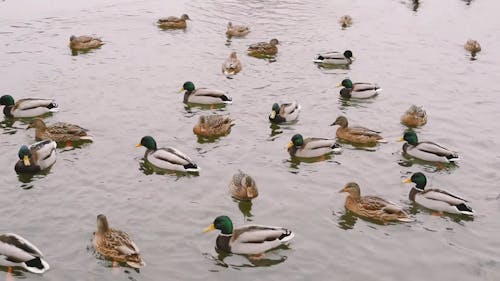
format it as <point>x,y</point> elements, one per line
<point>408,180</point>
<point>289,145</point>
<point>342,190</point>
<point>339,85</point>
<point>333,124</point>
<point>181,90</point>
<point>138,145</point>
<point>209,228</point>
<point>401,139</point>
<point>26,160</point>
<point>273,114</point>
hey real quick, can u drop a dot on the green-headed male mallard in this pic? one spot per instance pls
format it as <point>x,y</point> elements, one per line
<point>359,135</point>
<point>29,107</point>
<point>263,49</point>
<point>84,42</point>
<point>243,187</point>
<point>372,207</point>
<point>285,113</point>
<point>334,58</point>
<point>232,65</point>
<point>473,47</point>
<point>116,245</point>
<point>17,251</point>
<point>59,132</point>
<point>311,147</point>
<point>37,157</point>
<point>203,95</point>
<point>414,117</point>
<point>248,239</point>
<point>173,22</point>
<point>436,199</point>
<point>236,30</point>
<point>358,90</point>
<point>213,125</point>
<point>167,158</point>
<point>426,150</point>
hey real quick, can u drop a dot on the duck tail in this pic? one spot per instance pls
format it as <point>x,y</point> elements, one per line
<point>453,158</point>
<point>382,141</point>
<point>191,167</point>
<point>36,265</point>
<point>88,138</point>
<point>286,236</point>
<point>465,209</point>
<point>336,147</point>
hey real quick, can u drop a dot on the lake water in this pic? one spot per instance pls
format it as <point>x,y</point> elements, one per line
<point>129,88</point>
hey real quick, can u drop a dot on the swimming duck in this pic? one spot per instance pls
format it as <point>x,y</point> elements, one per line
<point>29,107</point>
<point>426,150</point>
<point>173,22</point>
<point>334,58</point>
<point>213,125</point>
<point>17,251</point>
<point>37,157</point>
<point>59,132</point>
<point>311,147</point>
<point>285,113</point>
<point>232,65</point>
<point>236,30</point>
<point>263,49</point>
<point>414,117</point>
<point>357,134</point>
<point>436,199</point>
<point>116,245</point>
<point>358,90</point>
<point>345,21</point>
<point>372,207</point>
<point>167,158</point>
<point>248,239</point>
<point>203,95</point>
<point>84,42</point>
<point>473,47</point>
<point>243,187</point>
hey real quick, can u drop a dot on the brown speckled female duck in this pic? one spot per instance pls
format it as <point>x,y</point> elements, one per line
<point>414,117</point>
<point>84,42</point>
<point>264,49</point>
<point>59,132</point>
<point>243,187</point>
<point>236,30</point>
<point>173,22</point>
<point>358,135</point>
<point>213,125</point>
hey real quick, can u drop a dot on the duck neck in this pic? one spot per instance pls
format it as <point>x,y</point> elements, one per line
<point>7,111</point>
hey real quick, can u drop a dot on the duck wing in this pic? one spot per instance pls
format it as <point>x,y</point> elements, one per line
<point>17,249</point>
<point>318,143</point>
<point>357,130</point>
<point>255,239</point>
<point>360,87</point>
<point>66,128</point>
<point>442,195</point>
<point>209,93</point>
<point>30,103</point>
<point>172,155</point>
<point>374,203</point>
<point>289,108</point>
<point>436,149</point>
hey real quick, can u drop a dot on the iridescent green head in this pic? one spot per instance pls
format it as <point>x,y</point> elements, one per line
<point>188,86</point>
<point>6,100</point>
<point>348,54</point>
<point>24,154</point>
<point>347,83</point>
<point>297,140</point>
<point>222,223</point>
<point>411,137</point>
<point>419,179</point>
<point>148,142</point>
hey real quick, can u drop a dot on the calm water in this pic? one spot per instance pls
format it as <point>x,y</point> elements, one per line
<point>128,89</point>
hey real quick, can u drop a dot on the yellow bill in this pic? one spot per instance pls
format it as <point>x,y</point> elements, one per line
<point>210,228</point>
<point>273,114</point>
<point>26,160</point>
<point>181,90</point>
<point>138,145</point>
<point>339,85</point>
<point>289,145</point>
<point>401,139</point>
<point>408,180</point>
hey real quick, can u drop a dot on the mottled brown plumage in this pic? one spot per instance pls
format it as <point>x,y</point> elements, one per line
<point>263,48</point>
<point>243,187</point>
<point>414,117</point>
<point>116,245</point>
<point>213,125</point>
<point>236,30</point>
<point>58,132</point>
<point>80,43</point>
<point>173,22</point>
<point>372,207</point>
<point>358,135</point>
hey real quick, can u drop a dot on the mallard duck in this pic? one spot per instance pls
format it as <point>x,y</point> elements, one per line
<point>372,207</point>
<point>358,90</point>
<point>414,117</point>
<point>17,251</point>
<point>232,65</point>
<point>29,107</point>
<point>243,187</point>
<point>285,113</point>
<point>426,150</point>
<point>59,132</point>
<point>248,239</point>
<point>357,134</point>
<point>173,22</point>
<point>473,47</point>
<point>203,95</point>
<point>263,49</point>
<point>334,58</point>
<point>436,199</point>
<point>116,245</point>
<point>311,147</point>
<point>37,157</point>
<point>84,42</point>
<point>345,21</point>
<point>236,30</point>
<point>167,158</point>
<point>213,125</point>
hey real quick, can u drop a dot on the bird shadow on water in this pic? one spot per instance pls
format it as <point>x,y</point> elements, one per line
<point>416,209</point>
<point>28,180</point>
<point>345,103</point>
<point>296,161</point>
<point>148,169</point>
<point>239,262</point>
<point>115,266</point>
<point>430,167</point>
<point>245,207</point>
<point>15,273</point>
